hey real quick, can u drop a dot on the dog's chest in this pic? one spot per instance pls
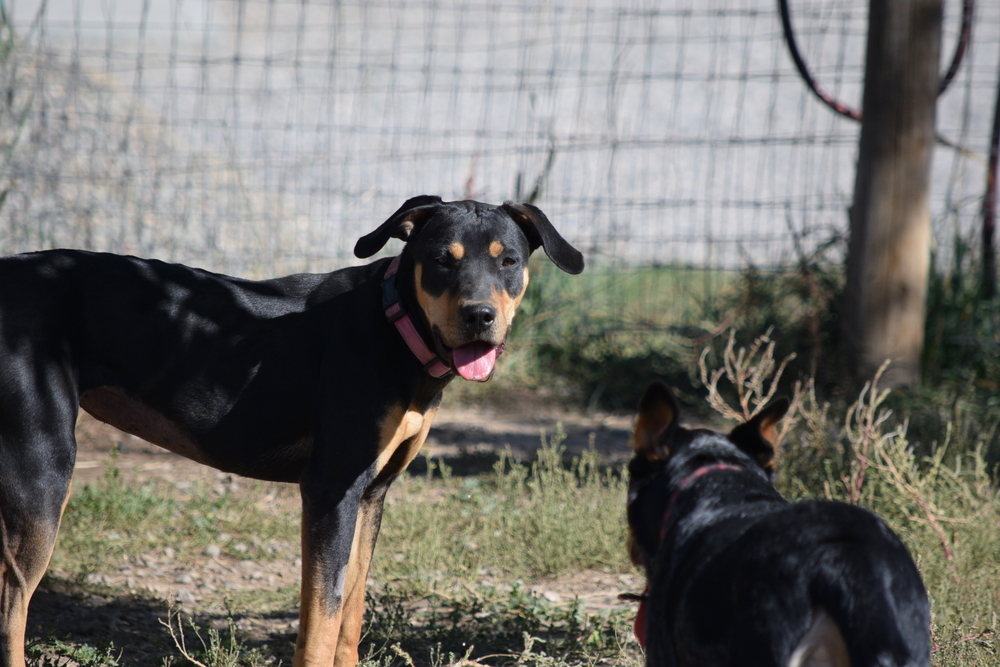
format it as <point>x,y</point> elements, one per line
<point>402,432</point>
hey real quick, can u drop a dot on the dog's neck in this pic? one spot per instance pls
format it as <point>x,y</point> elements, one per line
<point>685,483</point>
<point>396,313</point>
<point>639,627</point>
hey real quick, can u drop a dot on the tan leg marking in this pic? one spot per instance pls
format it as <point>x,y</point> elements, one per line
<point>22,565</point>
<point>318,627</point>
<point>353,611</point>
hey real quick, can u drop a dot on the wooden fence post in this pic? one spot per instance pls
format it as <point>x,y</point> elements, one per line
<point>889,249</point>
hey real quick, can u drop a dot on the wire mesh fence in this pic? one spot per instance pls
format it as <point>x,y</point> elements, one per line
<point>259,137</point>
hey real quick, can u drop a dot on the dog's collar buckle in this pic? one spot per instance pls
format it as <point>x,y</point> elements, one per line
<point>392,305</point>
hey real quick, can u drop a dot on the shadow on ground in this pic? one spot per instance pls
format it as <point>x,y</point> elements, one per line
<point>472,441</point>
<point>134,625</point>
<point>473,450</point>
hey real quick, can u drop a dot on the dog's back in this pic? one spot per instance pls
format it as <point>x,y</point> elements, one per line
<point>738,576</point>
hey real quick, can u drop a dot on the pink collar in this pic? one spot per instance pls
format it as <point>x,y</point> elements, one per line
<point>393,306</point>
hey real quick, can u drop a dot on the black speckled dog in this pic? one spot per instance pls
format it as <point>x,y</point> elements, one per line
<point>327,380</point>
<point>737,576</point>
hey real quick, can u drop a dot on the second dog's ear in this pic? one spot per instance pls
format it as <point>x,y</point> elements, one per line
<point>756,437</point>
<point>401,225</point>
<point>540,232</point>
<point>658,413</point>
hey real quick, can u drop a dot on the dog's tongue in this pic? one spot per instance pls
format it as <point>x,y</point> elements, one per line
<point>475,361</point>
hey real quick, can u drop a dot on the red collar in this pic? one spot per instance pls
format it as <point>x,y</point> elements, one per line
<point>639,627</point>
<point>393,307</point>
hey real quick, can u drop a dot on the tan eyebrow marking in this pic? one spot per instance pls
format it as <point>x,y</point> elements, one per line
<point>496,248</point>
<point>456,250</point>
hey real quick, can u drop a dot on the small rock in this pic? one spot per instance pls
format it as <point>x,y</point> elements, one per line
<point>184,596</point>
<point>184,578</point>
<point>213,551</point>
<point>240,548</point>
<point>169,552</point>
<point>552,596</point>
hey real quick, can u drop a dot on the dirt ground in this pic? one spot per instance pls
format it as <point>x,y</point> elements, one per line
<point>97,611</point>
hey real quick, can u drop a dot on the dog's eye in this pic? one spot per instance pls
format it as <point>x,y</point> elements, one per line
<point>509,261</point>
<point>443,260</point>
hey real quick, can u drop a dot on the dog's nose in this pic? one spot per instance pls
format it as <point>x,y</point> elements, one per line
<point>479,316</point>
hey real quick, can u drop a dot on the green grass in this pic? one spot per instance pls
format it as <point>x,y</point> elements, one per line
<point>658,297</point>
<point>111,520</point>
<point>520,522</point>
<point>492,626</point>
<point>52,652</point>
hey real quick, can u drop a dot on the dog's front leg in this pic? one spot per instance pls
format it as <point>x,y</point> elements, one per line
<point>339,529</point>
<point>330,518</point>
<point>366,532</point>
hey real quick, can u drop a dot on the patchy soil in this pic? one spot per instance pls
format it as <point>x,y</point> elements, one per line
<point>129,606</point>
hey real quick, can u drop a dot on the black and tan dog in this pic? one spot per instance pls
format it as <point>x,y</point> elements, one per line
<point>330,381</point>
<point>737,576</point>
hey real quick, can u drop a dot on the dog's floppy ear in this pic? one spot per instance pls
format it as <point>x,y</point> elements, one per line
<point>756,437</point>
<point>400,225</point>
<point>540,232</point>
<point>658,413</point>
